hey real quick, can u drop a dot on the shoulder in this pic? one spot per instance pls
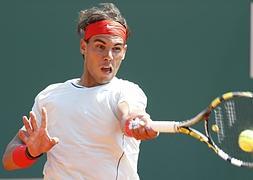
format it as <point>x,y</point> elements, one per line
<point>128,88</point>
<point>125,84</point>
<point>131,93</point>
<point>54,88</point>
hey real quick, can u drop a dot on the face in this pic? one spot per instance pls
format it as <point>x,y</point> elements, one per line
<point>103,55</point>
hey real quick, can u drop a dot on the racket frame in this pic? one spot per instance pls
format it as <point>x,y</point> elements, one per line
<point>183,127</point>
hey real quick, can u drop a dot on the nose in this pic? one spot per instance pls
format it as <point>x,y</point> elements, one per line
<point>108,55</point>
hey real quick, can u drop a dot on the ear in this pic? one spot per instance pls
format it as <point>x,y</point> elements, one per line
<point>124,53</point>
<point>83,45</point>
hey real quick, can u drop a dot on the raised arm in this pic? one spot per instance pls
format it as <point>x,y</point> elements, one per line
<point>29,144</point>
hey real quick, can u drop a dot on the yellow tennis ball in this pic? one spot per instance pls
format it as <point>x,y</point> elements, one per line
<point>215,128</point>
<point>246,140</point>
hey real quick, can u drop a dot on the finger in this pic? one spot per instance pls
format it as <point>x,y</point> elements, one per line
<point>27,125</point>
<point>140,120</point>
<point>133,116</point>
<point>139,133</point>
<point>44,118</point>
<point>138,123</point>
<point>144,133</point>
<point>33,121</point>
<point>134,126</point>
<point>54,140</point>
<point>151,134</point>
<point>138,116</point>
<point>145,118</point>
<point>22,136</point>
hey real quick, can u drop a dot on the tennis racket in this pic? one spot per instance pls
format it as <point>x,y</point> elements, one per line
<point>224,119</point>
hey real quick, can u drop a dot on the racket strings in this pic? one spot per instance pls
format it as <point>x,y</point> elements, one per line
<point>219,123</point>
<point>231,118</point>
<point>230,112</point>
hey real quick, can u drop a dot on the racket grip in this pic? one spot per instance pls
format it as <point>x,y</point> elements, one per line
<point>164,126</point>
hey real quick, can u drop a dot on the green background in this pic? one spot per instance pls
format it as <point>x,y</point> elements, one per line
<point>182,53</point>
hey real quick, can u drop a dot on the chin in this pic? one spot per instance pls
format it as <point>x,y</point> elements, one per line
<point>106,80</point>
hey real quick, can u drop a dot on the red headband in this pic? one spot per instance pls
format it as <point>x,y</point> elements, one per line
<point>105,27</point>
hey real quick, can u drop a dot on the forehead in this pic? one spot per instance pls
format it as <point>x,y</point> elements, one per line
<point>107,39</point>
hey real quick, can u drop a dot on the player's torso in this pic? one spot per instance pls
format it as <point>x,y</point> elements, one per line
<point>85,120</point>
<point>87,115</point>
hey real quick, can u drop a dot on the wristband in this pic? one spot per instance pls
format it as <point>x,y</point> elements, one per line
<point>22,158</point>
<point>29,156</point>
<point>127,130</point>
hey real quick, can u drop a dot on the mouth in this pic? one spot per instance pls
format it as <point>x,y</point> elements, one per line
<point>106,69</point>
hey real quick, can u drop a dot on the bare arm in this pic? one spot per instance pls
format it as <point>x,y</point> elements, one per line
<point>7,160</point>
<point>142,132</point>
<point>35,138</point>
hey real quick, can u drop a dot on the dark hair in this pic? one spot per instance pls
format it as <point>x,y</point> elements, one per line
<point>106,11</point>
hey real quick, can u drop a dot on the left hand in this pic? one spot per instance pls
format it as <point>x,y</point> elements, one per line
<point>36,137</point>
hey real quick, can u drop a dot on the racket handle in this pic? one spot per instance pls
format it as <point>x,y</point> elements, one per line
<point>164,126</point>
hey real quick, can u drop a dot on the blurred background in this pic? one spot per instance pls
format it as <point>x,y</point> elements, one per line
<point>182,53</point>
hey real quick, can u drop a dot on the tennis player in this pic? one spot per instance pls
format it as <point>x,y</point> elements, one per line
<point>84,125</point>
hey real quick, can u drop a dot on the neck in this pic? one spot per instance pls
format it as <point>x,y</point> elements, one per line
<point>86,82</point>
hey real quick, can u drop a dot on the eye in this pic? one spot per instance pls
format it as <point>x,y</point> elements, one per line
<point>100,46</point>
<point>118,49</point>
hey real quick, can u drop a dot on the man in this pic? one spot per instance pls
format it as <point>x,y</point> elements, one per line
<point>87,126</point>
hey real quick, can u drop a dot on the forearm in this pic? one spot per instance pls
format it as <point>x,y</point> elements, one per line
<point>8,163</point>
<point>16,156</point>
<point>7,159</point>
<point>123,112</point>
